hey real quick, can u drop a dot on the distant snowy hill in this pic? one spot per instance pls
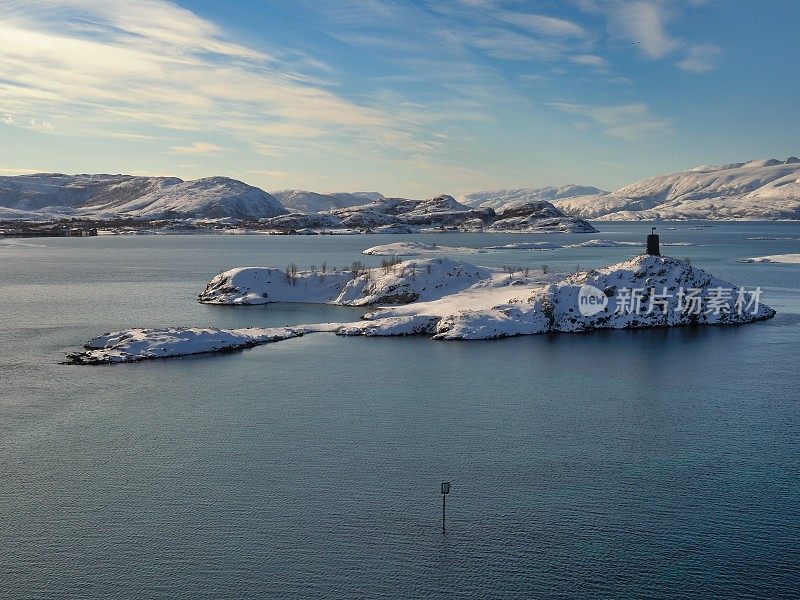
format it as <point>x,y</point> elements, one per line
<point>312,202</point>
<point>755,190</point>
<point>501,199</point>
<point>400,215</point>
<point>51,195</point>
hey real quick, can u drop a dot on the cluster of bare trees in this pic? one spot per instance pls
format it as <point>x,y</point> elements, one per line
<point>511,270</point>
<point>389,264</point>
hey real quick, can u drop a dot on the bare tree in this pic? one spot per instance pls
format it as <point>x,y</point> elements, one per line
<point>291,273</point>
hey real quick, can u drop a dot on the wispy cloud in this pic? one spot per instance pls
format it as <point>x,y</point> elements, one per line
<point>197,148</point>
<point>541,24</point>
<point>88,65</point>
<point>644,24</point>
<point>627,121</point>
<point>591,60</point>
<point>507,45</point>
<point>700,58</point>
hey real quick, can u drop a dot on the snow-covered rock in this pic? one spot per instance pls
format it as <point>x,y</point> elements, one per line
<point>298,221</point>
<point>417,249</point>
<point>538,217</point>
<point>527,246</point>
<point>774,258</point>
<point>144,344</point>
<point>602,244</point>
<point>442,213</point>
<point>409,281</point>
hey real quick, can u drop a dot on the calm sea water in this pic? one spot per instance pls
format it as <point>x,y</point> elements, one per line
<point>659,464</point>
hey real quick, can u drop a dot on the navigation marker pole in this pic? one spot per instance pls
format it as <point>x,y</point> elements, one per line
<point>445,491</point>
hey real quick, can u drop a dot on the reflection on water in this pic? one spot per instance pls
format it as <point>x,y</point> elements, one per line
<point>657,463</point>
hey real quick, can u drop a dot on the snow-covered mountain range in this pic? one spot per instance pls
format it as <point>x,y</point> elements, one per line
<point>755,190</point>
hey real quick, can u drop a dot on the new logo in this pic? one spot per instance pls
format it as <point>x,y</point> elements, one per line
<point>591,300</point>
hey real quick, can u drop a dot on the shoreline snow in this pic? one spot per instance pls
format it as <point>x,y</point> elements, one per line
<point>784,259</point>
<point>443,298</point>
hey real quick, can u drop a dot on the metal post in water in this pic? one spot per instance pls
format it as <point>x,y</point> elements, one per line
<point>445,491</point>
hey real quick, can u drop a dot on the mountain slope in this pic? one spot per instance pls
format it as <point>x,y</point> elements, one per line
<point>500,199</point>
<point>760,189</point>
<point>136,197</point>
<point>303,201</point>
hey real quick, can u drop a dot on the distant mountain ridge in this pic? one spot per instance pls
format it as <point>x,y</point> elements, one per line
<point>311,202</point>
<point>755,190</point>
<point>502,199</point>
<point>400,215</point>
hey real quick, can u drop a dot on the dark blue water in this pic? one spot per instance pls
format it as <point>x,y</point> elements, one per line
<point>608,465</point>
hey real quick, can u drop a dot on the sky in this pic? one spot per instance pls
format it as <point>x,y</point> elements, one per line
<point>407,97</point>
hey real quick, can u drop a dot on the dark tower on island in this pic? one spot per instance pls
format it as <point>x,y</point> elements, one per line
<point>652,244</point>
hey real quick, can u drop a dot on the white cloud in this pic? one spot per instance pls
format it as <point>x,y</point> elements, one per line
<point>627,121</point>
<point>644,24</point>
<point>544,25</point>
<point>197,148</point>
<point>590,60</point>
<point>700,58</point>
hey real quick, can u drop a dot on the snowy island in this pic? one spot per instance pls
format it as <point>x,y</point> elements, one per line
<point>452,300</point>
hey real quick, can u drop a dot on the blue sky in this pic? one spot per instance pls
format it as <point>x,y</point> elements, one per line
<point>406,97</point>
